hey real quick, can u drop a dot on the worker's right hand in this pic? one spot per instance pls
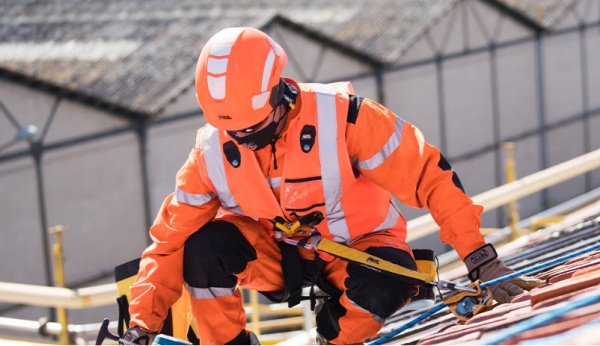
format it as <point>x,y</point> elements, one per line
<point>136,335</point>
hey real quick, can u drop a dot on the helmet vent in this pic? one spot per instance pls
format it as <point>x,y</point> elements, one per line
<point>216,87</point>
<point>267,70</point>
<point>217,66</point>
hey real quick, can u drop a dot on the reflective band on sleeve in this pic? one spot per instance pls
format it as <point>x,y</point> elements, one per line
<point>330,167</point>
<point>388,148</point>
<point>390,219</point>
<point>213,158</point>
<point>193,198</point>
<point>209,293</point>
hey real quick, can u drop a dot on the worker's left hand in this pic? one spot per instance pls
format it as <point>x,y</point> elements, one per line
<point>137,336</point>
<point>484,265</point>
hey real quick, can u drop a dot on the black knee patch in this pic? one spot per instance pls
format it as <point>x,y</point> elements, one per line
<point>328,319</point>
<point>214,254</point>
<point>378,293</point>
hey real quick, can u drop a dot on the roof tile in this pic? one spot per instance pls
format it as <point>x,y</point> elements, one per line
<point>580,279</point>
<point>565,286</point>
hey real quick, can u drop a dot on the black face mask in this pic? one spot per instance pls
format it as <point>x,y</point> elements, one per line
<point>286,95</point>
<point>259,139</point>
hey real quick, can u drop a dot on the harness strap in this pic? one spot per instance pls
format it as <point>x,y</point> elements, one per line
<point>319,263</point>
<point>291,266</point>
<point>386,267</point>
<point>124,317</point>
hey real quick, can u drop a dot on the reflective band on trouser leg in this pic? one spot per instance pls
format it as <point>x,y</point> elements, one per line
<point>219,319</point>
<point>213,157</point>
<point>330,168</point>
<point>392,143</point>
<point>209,293</point>
<point>213,256</point>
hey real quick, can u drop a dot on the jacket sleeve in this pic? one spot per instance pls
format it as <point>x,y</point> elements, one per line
<point>160,278</point>
<point>393,153</point>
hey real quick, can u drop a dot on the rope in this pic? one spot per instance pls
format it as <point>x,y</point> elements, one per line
<point>409,324</point>
<point>486,284</point>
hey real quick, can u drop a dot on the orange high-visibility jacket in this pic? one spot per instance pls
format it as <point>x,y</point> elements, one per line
<point>339,154</point>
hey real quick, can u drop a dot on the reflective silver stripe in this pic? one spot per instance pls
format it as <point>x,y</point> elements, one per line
<point>275,183</point>
<point>330,167</point>
<point>390,219</point>
<point>392,143</point>
<point>209,293</point>
<point>237,210</point>
<point>193,198</point>
<point>213,158</point>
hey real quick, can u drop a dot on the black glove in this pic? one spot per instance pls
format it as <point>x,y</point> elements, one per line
<point>483,264</point>
<point>136,335</point>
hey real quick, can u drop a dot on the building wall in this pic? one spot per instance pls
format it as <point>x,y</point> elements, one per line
<point>169,145</point>
<point>90,185</point>
<point>467,98</point>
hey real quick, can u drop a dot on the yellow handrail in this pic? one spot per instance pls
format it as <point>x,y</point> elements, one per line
<point>57,296</point>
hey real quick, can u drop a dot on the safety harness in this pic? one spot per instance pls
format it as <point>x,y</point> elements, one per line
<point>468,301</point>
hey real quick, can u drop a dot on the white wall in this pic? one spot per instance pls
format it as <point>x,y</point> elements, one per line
<point>168,147</point>
<point>565,143</point>
<point>517,90</point>
<point>468,104</point>
<point>95,189</point>
<point>592,46</point>
<point>413,95</point>
<point>21,250</point>
<point>562,76</point>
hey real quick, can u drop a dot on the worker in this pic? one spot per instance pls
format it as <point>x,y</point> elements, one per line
<point>276,149</point>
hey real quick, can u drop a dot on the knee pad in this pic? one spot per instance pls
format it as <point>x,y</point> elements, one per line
<point>214,254</point>
<point>328,318</point>
<point>378,293</point>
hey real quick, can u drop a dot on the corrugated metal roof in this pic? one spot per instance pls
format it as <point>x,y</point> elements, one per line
<point>138,55</point>
<point>544,13</point>
<point>576,281</point>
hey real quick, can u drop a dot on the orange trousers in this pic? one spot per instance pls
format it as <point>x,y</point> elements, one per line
<point>238,251</point>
